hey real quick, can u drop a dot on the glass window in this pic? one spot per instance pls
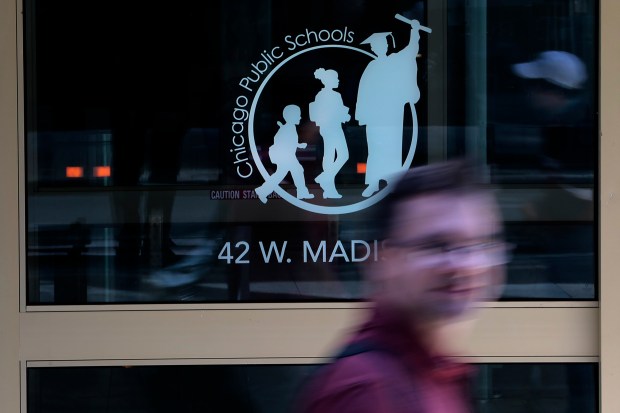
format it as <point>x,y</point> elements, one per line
<point>149,132</point>
<point>499,388</point>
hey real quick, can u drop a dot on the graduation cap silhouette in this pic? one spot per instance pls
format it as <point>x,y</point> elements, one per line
<point>379,38</point>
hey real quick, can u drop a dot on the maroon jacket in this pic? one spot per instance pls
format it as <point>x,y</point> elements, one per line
<point>395,374</point>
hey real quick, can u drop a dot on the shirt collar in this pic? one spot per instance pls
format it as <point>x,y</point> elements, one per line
<point>391,330</point>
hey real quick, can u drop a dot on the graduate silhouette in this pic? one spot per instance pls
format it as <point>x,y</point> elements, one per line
<point>388,83</point>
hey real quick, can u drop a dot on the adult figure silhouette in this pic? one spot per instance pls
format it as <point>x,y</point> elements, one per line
<point>388,83</point>
<point>283,154</point>
<point>329,113</point>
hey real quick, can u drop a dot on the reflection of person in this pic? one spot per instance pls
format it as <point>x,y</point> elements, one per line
<point>387,84</point>
<point>144,217</point>
<point>282,154</point>
<point>148,99</point>
<point>554,84</point>
<point>329,113</point>
<point>442,252</point>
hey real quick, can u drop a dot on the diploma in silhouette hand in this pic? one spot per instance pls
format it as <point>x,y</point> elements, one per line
<point>414,23</point>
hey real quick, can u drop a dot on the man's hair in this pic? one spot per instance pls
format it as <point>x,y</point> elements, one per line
<point>459,176</point>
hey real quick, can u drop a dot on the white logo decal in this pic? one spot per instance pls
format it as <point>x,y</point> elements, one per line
<point>387,85</point>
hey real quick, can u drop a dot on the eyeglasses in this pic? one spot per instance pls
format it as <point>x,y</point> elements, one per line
<point>493,252</point>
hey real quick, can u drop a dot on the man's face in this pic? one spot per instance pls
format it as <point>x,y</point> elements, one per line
<point>443,255</point>
<point>550,101</point>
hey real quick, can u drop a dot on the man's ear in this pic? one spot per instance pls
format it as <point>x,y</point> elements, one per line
<point>370,269</point>
<point>497,280</point>
<point>378,272</point>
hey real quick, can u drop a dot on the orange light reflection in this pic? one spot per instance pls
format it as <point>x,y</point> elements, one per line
<point>74,172</point>
<point>102,171</point>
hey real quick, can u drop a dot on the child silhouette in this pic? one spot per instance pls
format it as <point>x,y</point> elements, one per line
<point>282,154</point>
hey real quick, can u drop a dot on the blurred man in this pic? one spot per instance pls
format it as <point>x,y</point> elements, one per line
<point>442,253</point>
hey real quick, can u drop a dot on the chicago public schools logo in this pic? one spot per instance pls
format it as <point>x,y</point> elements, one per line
<point>387,84</point>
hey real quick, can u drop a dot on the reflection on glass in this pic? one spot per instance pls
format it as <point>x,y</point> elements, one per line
<point>499,388</point>
<point>133,195</point>
<point>536,387</point>
<point>542,126</point>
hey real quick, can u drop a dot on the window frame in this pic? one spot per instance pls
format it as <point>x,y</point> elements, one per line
<point>54,336</point>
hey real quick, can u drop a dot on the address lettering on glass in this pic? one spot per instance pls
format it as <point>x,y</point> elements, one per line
<point>276,252</point>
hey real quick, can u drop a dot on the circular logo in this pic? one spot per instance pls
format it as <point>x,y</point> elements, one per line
<point>306,202</point>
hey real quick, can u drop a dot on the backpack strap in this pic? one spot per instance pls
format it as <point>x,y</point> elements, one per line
<point>359,347</point>
<point>408,401</point>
